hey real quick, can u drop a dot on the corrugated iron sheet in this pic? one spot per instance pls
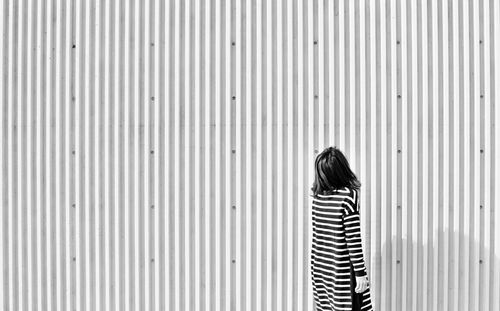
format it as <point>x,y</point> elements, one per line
<point>158,155</point>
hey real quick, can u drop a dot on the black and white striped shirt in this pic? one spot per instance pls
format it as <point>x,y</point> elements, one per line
<point>336,249</point>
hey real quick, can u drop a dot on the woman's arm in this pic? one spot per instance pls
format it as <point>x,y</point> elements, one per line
<point>352,228</point>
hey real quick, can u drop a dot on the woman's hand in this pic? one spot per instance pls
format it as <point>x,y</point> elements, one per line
<point>361,284</point>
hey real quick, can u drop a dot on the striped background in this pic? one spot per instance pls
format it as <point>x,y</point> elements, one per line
<point>158,155</point>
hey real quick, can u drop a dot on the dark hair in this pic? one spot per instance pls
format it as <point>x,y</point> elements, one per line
<point>332,172</point>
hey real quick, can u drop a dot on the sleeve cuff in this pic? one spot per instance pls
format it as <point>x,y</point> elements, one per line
<point>360,272</point>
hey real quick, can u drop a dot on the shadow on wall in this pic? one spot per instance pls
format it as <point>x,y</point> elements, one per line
<point>452,271</point>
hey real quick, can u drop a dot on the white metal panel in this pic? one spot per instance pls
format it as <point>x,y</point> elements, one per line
<point>159,155</point>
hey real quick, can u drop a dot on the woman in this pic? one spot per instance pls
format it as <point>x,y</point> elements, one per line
<point>339,275</point>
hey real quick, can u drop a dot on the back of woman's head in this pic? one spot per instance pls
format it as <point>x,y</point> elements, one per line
<point>332,172</point>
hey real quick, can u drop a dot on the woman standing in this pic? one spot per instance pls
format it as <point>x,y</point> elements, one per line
<point>338,271</point>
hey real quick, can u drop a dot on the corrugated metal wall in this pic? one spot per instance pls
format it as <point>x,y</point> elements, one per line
<point>159,155</point>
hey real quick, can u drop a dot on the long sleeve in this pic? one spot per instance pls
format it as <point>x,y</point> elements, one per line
<point>351,221</point>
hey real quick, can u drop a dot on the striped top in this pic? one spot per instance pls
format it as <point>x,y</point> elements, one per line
<point>336,253</point>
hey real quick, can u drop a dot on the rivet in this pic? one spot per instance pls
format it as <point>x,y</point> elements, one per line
<point>399,150</point>
<point>315,151</point>
<point>315,41</point>
<point>233,43</point>
<point>74,258</point>
<point>234,207</point>
<point>73,151</point>
<point>480,261</point>
<point>399,206</point>
<point>233,261</point>
<point>152,260</point>
<point>399,95</point>
<point>73,98</point>
<point>233,151</point>
<point>152,206</point>
<point>398,261</point>
<point>398,42</point>
<point>152,44</point>
<point>233,97</point>
<point>481,95</point>
<point>152,98</point>
<point>73,205</point>
<point>480,41</point>
<point>152,151</point>
<point>315,96</point>
<point>480,206</point>
<point>481,151</point>
<point>74,46</point>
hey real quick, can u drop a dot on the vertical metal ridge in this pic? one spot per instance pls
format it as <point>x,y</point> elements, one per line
<point>495,48</point>
<point>103,140</point>
<point>23,155</point>
<point>6,222</point>
<point>3,145</point>
<point>92,122</point>
<point>14,149</point>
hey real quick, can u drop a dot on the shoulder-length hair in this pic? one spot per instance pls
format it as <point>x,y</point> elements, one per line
<point>332,172</point>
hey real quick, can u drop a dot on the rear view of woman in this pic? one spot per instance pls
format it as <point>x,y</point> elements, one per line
<point>338,271</point>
